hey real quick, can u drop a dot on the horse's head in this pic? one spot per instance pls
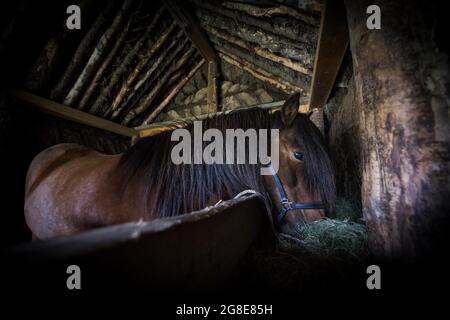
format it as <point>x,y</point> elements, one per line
<point>305,177</point>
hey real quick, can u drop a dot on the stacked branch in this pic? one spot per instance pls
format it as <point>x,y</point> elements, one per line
<point>259,73</point>
<point>98,107</point>
<point>175,90</point>
<point>297,51</point>
<point>147,100</point>
<point>274,69</point>
<point>258,50</point>
<point>104,66</point>
<point>51,56</point>
<point>296,31</point>
<point>213,90</point>
<point>97,56</point>
<point>81,54</point>
<point>258,11</point>
<point>308,7</point>
<point>162,56</point>
<point>158,66</point>
<point>118,44</point>
<point>139,68</point>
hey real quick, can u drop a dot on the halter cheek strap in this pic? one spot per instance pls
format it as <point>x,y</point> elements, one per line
<point>290,205</point>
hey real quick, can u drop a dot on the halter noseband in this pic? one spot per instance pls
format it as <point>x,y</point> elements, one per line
<point>290,205</point>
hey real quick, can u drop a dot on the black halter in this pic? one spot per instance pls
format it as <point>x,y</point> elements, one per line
<point>289,205</point>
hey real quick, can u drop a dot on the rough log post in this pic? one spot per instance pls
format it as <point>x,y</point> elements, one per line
<point>213,97</point>
<point>270,11</point>
<point>400,78</point>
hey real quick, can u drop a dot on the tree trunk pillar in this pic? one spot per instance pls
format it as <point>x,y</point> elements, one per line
<point>401,83</point>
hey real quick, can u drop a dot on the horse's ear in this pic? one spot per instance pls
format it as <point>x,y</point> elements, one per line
<point>289,110</point>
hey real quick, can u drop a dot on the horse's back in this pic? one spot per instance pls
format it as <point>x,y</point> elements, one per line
<point>49,159</point>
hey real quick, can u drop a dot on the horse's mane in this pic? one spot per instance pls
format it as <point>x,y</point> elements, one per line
<point>176,189</point>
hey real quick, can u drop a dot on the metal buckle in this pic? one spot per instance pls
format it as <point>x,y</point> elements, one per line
<point>287,205</point>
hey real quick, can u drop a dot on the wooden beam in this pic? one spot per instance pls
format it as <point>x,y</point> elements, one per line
<point>72,114</point>
<point>213,96</point>
<point>157,128</point>
<point>188,23</point>
<point>331,47</point>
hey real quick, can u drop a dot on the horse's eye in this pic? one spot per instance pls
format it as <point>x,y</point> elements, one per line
<point>298,155</point>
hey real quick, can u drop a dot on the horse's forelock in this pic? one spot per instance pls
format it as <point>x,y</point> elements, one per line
<point>319,172</point>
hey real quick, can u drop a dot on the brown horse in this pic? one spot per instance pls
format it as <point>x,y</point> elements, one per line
<point>71,188</point>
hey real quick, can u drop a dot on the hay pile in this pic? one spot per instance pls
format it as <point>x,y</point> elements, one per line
<point>334,239</point>
<point>317,256</point>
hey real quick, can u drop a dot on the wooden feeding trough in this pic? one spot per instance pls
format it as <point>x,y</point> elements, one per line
<point>136,69</point>
<point>199,251</point>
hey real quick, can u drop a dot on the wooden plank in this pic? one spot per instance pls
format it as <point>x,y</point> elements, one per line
<point>187,21</point>
<point>72,114</point>
<point>331,47</point>
<point>196,251</point>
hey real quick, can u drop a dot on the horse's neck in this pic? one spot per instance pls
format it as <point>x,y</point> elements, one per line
<point>128,200</point>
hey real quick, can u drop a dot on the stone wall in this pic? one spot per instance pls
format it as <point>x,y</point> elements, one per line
<point>237,89</point>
